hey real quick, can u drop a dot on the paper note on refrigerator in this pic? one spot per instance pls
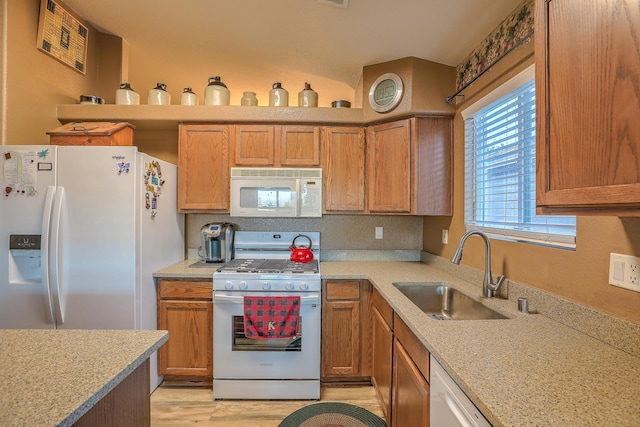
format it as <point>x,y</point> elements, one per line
<point>20,172</point>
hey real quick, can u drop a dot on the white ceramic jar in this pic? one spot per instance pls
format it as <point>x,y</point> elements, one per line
<point>159,95</point>
<point>125,95</point>
<point>216,93</point>
<point>307,97</point>
<point>249,99</point>
<point>278,96</point>
<point>188,97</point>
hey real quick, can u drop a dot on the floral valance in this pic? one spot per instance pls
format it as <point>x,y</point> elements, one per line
<point>516,28</point>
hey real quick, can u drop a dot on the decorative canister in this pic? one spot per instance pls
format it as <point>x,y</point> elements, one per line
<point>188,97</point>
<point>341,103</point>
<point>216,93</point>
<point>278,96</point>
<point>125,95</point>
<point>159,95</point>
<point>307,97</point>
<point>249,99</point>
<point>91,100</point>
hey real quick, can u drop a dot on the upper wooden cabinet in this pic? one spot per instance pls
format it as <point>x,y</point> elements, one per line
<point>343,165</point>
<point>203,168</point>
<point>389,168</point>
<point>299,146</point>
<point>588,105</point>
<point>401,167</point>
<point>269,146</point>
<point>254,145</point>
<point>409,166</point>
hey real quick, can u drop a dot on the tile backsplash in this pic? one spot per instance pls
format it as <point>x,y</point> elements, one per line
<point>338,233</point>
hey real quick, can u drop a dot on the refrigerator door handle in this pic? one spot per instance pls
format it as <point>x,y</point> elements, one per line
<point>44,251</point>
<point>55,267</point>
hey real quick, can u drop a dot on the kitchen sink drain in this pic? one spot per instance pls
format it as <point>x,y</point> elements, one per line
<point>438,316</point>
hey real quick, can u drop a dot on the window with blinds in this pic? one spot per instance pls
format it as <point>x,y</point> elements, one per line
<point>500,173</point>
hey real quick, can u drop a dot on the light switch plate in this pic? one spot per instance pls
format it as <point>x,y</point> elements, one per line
<point>379,231</point>
<point>624,271</point>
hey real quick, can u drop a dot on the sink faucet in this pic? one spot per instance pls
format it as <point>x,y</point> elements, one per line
<point>488,287</point>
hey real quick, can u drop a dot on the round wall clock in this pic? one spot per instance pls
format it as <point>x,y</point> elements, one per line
<point>386,92</point>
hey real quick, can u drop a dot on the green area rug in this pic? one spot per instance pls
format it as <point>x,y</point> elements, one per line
<point>332,414</point>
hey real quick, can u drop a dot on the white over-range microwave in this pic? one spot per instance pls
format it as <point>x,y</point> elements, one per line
<point>276,192</point>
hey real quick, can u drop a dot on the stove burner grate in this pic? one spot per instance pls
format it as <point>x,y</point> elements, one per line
<point>268,266</point>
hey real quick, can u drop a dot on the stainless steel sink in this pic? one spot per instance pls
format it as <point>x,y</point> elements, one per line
<point>441,301</point>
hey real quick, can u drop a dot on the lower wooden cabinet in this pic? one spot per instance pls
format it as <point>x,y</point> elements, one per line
<point>410,384</point>
<point>410,391</point>
<point>346,343</point>
<point>400,367</point>
<point>382,354</point>
<point>185,309</point>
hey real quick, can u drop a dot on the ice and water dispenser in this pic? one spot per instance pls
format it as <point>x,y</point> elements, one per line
<point>25,259</point>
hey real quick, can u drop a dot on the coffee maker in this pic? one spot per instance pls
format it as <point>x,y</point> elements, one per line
<point>217,242</point>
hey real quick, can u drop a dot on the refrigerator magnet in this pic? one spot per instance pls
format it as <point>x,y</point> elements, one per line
<point>123,167</point>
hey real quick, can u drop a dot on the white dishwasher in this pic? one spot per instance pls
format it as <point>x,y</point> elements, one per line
<point>449,406</point>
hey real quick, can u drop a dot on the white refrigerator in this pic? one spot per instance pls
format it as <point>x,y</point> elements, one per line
<point>82,229</point>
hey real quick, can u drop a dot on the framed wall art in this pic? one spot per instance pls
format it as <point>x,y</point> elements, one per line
<point>62,36</point>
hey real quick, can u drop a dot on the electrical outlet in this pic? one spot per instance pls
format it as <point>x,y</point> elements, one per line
<point>624,271</point>
<point>445,236</point>
<point>379,231</point>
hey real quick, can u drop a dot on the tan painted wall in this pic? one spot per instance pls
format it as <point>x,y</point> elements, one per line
<point>35,83</point>
<point>580,275</point>
<point>426,86</point>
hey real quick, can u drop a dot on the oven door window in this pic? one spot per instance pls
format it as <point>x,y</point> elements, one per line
<point>242,343</point>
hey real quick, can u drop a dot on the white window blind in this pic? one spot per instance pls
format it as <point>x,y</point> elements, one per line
<point>500,173</point>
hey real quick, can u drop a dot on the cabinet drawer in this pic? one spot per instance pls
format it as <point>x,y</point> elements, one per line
<point>185,289</point>
<point>343,290</point>
<point>383,307</point>
<point>414,347</point>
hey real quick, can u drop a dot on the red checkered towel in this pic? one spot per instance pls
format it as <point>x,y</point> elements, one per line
<point>271,317</point>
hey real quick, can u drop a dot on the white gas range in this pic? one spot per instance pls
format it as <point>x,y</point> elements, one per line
<point>271,368</point>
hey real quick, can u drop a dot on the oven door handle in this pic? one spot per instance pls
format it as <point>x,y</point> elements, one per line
<point>239,299</point>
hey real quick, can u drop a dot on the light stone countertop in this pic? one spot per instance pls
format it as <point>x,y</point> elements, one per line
<point>53,377</point>
<point>182,270</point>
<point>528,370</point>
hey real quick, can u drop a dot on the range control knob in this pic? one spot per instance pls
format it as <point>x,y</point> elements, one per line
<point>289,286</point>
<point>243,285</point>
<point>228,285</point>
<point>266,285</point>
<point>304,286</point>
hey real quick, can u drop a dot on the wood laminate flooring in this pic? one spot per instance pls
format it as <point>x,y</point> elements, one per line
<point>190,406</point>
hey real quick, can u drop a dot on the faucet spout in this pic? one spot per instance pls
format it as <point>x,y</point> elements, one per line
<point>488,287</point>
